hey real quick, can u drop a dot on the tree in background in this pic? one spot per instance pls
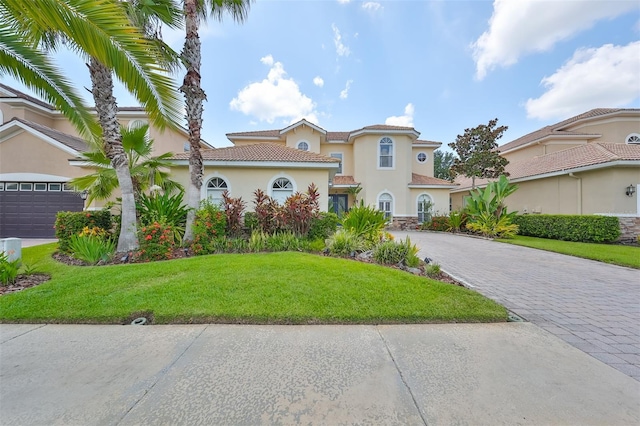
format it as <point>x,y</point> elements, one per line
<point>442,162</point>
<point>477,152</point>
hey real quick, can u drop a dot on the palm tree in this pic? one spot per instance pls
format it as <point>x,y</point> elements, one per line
<point>194,11</point>
<point>146,170</point>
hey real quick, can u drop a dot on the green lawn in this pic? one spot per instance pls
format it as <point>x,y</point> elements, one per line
<point>272,288</point>
<point>609,253</point>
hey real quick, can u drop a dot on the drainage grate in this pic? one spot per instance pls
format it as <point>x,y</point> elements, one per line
<point>511,317</point>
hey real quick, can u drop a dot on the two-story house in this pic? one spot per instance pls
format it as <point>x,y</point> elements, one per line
<point>393,168</point>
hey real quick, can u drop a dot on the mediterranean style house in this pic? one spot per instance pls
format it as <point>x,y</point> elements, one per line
<point>389,165</point>
<point>587,164</point>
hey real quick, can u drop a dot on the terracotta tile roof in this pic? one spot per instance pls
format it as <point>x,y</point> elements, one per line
<point>557,129</point>
<point>421,141</point>
<point>417,179</point>
<point>72,142</point>
<point>260,152</point>
<point>569,159</point>
<point>338,136</point>
<point>344,180</point>
<point>258,133</point>
<point>385,127</point>
<point>26,97</point>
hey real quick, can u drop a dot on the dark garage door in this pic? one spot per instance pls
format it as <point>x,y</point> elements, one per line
<point>32,214</point>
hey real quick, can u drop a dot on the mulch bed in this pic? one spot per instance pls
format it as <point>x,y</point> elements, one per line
<point>24,282</point>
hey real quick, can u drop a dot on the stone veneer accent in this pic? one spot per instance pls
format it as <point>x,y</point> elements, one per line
<point>629,229</point>
<point>403,223</point>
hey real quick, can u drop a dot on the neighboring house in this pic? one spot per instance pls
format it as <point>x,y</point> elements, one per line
<point>587,164</point>
<point>391,165</point>
<point>36,146</point>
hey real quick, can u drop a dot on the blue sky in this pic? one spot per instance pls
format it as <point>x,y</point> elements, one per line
<point>439,66</point>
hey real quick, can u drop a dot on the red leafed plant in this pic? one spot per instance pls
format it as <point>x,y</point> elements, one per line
<point>300,209</point>
<point>233,210</point>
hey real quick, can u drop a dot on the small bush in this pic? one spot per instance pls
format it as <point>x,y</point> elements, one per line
<point>209,224</point>
<point>268,212</point>
<point>233,210</point>
<point>344,242</point>
<point>163,208</point>
<point>156,242</point>
<point>432,270</point>
<point>251,221</point>
<point>315,246</point>
<point>283,241</point>
<point>396,252</point>
<point>69,224</point>
<point>92,247</point>
<point>488,225</point>
<point>583,228</point>
<point>365,222</point>
<point>323,225</point>
<point>8,269</point>
<point>437,223</point>
<point>457,221</point>
<point>300,209</point>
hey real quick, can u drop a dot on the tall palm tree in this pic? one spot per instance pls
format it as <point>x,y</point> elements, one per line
<point>194,12</point>
<point>145,170</point>
<point>103,31</point>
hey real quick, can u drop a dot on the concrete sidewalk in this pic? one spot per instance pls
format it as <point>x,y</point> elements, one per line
<point>473,374</point>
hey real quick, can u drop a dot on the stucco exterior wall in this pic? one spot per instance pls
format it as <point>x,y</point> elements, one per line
<point>347,155</point>
<point>375,180</point>
<point>304,133</point>
<point>243,181</point>
<point>612,131</point>
<point>426,168</point>
<point>440,199</point>
<point>524,153</point>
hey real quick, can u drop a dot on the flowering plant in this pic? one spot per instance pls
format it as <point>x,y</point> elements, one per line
<point>156,242</point>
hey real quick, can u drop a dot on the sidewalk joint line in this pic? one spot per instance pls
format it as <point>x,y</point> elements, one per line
<point>160,375</point>
<point>22,334</point>
<point>413,398</point>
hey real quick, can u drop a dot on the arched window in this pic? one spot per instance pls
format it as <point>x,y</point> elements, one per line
<point>133,124</point>
<point>425,208</point>
<point>633,138</point>
<point>303,146</point>
<point>385,153</point>
<point>281,189</point>
<point>385,204</point>
<point>215,188</point>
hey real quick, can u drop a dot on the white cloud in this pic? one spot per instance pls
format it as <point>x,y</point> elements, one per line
<point>344,1</point>
<point>524,26</point>
<point>341,49</point>
<point>599,77</point>
<point>371,6</point>
<point>275,97</point>
<point>344,94</point>
<point>318,81</point>
<point>405,120</point>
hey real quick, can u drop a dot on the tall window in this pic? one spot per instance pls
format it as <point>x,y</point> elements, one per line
<point>386,153</point>
<point>338,155</point>
<point>385,204</point>
<point>303,146</point>
<point>281,189</point>
<point>215,188</point>
<point>425,208</point>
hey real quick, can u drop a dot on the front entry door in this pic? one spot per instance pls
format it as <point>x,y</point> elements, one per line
<point>339,203</point>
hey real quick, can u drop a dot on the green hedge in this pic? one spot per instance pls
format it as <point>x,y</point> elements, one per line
<point>583,228</point>
<point>437,223</point>
<point>323,226</point>
<point>72,223</point>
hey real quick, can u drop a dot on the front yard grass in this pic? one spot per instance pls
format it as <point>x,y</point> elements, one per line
<point>608,253</point>
<point>268,288</point>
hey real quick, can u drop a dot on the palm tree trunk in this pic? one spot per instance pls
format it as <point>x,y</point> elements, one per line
<point>107,109</point>
<point>194,97</point>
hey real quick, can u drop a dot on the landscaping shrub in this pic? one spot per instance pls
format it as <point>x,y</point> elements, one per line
<point>92,247</point>
<point>437,223</point>
<point>209,223</point>
<point>268,212</point>
<point>233,210</point>
<point>251,221</point>
<point>432,270</point>
<point>300,209</point>
<point>72,223</point>
<point>323,225</point>
<point>457,221</point>
<point>489,226</point>
<point>583,228</point>
<point>156,242</point>
<point>345,242</point>
<point>164,208</point>
<point>8,269</point>
<point>396,252</point>
<point>283,241</point>
<point>366,223</point>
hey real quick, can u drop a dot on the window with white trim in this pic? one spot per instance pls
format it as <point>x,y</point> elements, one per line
<point>11,186</point>
<point>303,146</point>
<point>55,186</point>
<point>385,205</point>
<point>1,186</point>
<point>281,189</point>
<point>385,153</point>
<point>40,186</point>
<point>134,124</point>
<point>633,138</point>
<point>68,187</point>
<point>215,188</point>
<point>425,208</point>
<point>339,156</point>
<point>422,157</point>
<point>26,186</point>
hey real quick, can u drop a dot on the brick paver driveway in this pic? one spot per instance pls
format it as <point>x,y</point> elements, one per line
<point>590,305</point>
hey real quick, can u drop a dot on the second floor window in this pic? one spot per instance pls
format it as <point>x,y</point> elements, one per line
<point>338,155</point>
<point>386,153</point>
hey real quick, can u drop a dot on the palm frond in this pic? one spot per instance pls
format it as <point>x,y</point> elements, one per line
<point>238,9</point>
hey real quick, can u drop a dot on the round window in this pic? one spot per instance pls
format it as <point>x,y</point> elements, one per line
<point>303,146</point>
<point>421,157</point>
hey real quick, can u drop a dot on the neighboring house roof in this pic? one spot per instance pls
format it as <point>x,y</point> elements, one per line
<point>558,129</point>
<point>261,152</point>
<point>73,145</point>
<point>21,95</point>
<point>592,155</point>
<point>421,180</point>
<point>278,134</point>
<point>344,180</point>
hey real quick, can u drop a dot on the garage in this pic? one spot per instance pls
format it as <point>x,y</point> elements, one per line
<point>28,209</point>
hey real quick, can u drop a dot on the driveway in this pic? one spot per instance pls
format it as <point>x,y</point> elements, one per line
<point>464,374</point>
<point>590,305</point>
